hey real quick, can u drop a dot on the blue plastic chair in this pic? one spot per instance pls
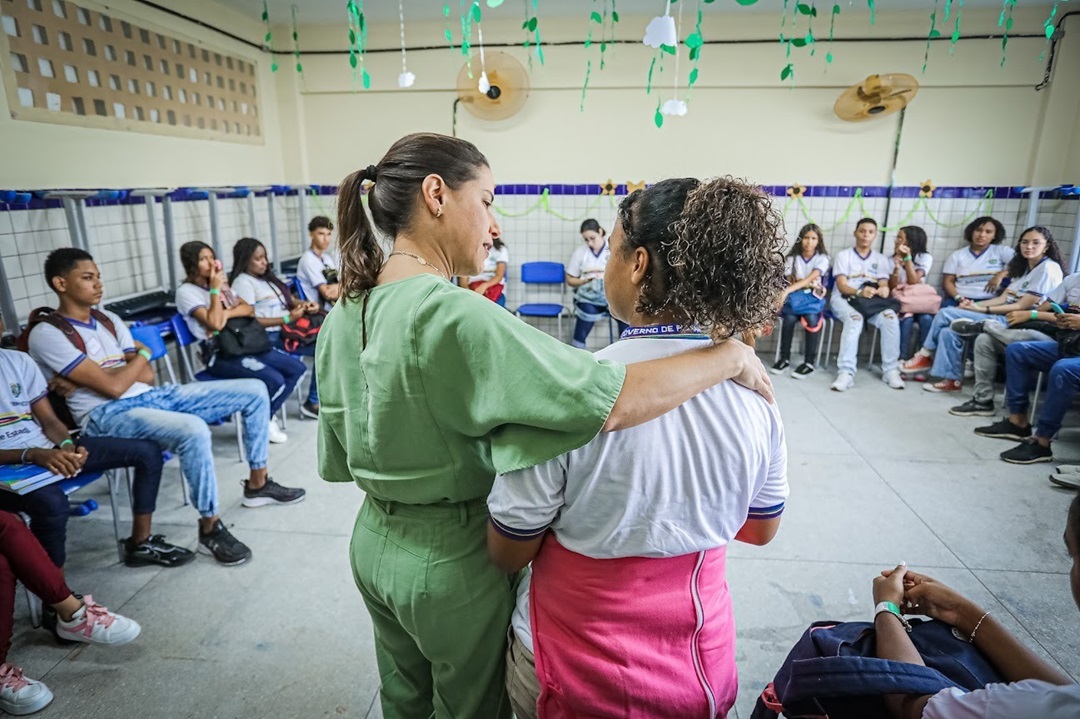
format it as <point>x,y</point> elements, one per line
<point>543,273</point>
<point>297,289</point>
<point>184,340</point>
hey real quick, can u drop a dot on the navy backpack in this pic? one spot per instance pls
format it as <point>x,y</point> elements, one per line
<point>833,672</point>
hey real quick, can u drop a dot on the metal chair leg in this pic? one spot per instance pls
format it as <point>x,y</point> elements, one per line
<point>112,479</point>
<point>1035,399</point>
<point>238,421</point>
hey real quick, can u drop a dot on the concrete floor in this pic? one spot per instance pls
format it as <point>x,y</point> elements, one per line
<point>878,476</point>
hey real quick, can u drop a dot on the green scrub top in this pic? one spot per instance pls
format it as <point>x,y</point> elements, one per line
<point>433,389</point>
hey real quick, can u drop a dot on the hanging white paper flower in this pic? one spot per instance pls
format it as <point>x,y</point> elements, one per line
<point>674,107</point>
<point>484,85</point>
<point>661,31</point>
<point>406,79</point>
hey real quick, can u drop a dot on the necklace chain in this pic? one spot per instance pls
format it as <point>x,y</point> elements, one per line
<point>421,260</point>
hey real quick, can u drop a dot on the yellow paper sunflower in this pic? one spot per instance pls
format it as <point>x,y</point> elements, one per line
<point>796,190</point>
<point>926,189</point>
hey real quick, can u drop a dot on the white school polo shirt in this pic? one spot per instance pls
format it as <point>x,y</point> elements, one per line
<point>1068,292</point>
<point>262,295</point>
<point>22,386</point>
<point>1016,700</point>
<point>190,297</point>
<point>55,354</point>
<point>1039,281</point>
<point>311,271</point>
<point>923,262</point>
<point>584,261</point>
<point>974,271</point>
<point>682,483</point>
<point>800,268</point>
<point>491,265</point>
<point>859,270</point>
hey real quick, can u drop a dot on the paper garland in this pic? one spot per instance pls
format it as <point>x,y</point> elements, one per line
<point>358,41</point>
<point>296,42</point>
<point>406,78</point>
<point>1006,19</point>
<point>532,25</point>
<point>268,39</point>
<point>934,32</point>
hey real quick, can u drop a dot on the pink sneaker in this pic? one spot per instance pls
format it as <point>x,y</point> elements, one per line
<point>19,695</point>
<point>94,624</point>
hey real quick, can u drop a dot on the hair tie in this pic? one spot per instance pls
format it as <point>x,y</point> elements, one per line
<point>370,173</point>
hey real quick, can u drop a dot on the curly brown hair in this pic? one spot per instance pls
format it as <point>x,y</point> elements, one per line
<point>716,251</point>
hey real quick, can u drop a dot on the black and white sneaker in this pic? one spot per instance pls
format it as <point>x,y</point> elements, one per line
<point>803,371</point>
<point>780,366</point>
<point>155,550</point>
<point>967,328</point>
<point>973,408</point>
<point>1004,429</point>
<point>309,410</point>
<point>1029,452</point>
<point>222,546</point>
<point>271,493</point>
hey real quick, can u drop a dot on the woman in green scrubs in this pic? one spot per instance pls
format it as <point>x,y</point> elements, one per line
<point>427,391</point>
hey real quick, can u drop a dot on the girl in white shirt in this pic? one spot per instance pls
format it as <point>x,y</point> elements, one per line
<point>585,274</point>
<point>491,282</point>
<point>911,266</point>
<point>807,265</point>
<point>254,281</point>
<point>1034,688</point>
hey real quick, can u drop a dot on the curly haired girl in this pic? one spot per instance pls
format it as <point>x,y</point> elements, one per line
<point>627,535</point>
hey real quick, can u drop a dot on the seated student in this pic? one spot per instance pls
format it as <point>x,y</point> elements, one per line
<point>80,619</point>
<point>860,271</point>
<point>46,443</point>
<point>911,265</point>
<point>1034,271</point>
<point>491,282</point>
<point>628,603</point>
<point>1023,361</point>
<point>585,274</point>
<point>971,273</point>
<point>254,281</point>
<point>206,303</point>
<point>109,392</point>
<point>807,265</point>
<point>318,267</point>
<point>1018,325</point>
<point>1033,689</point>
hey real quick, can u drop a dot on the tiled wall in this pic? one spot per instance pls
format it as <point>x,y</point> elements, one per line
<point>534,228</point>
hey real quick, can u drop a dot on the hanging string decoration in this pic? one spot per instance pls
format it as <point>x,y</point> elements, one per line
<point>358,41</point>
<point>675,106</point>
<point>873,11</point>
<point>934,33</point>
<point>268,39</point>
<point>296,42</point>
<point>832,28</point>
<point>694,41</point>
<point>661,35</point>
<point>788,39</point>
<point>1048,28</point>
<point>594,17</point>
<point>956,24</point>
<point>406,78</point>
<point>446,29</point>
<point>466,33</point>
<point>1006,19</point>
<point>484,84</point>
<point>532,25</point>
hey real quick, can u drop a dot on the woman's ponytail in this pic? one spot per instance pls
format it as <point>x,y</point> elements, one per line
<point>361,256</point>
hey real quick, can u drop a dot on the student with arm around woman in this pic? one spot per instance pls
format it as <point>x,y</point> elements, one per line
<point>417,413</point>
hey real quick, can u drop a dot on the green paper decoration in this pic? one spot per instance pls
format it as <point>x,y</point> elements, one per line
<point>358,41</point>
<point>494,3</point>
<point>695,41</point>
<point>1006,19</point>
<point>658,117</point>
<point>956,27</point>
<point>446,31</point>
<point>930,36</point>
<point>268,39</point>
<point>873,11</point>
<point>532,25</point>
<point>296,43</point>
<point>1048,26</point>
<point>832,28</point>
<point>744,3</point>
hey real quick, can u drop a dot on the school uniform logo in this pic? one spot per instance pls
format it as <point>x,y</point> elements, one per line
<point>16,389</point>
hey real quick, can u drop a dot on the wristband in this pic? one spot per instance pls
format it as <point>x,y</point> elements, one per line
<point>22,459</point>
<point>285,319</point>
<point>890,608</point>
<point>959,298</point>
<point>971,639</point>
<point>67,441</point>
<point>215,291</point>
<point>1034,314</point>
<point>907,258</point>
<point>145,353</point>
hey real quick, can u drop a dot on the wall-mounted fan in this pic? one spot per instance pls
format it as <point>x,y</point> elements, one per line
<point>508,89</point>
<point>876,96</point>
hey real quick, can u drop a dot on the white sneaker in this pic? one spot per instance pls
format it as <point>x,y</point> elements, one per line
<point>276,433</point>
<point>969,369</point>
<point>94,624</point>
<point>1068,469</point>
<point>844,382</point>
<point>1068,481</point>
<point>893,379</point>
<point>20,695</point>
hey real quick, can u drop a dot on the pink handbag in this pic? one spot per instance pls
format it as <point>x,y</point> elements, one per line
<point>920,299</point>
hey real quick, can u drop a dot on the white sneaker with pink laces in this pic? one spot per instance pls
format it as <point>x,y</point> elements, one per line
<point>19,695</point>
<point>94,624</point>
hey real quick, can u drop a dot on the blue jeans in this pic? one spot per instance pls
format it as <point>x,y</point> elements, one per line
<point>175,417</point>
<point>277,370</point>
<point>305,351</point>
<point>583,327</point>
<point>906,325</point>
<point>1022,361</point>
<point>49,509</point>
<point>949,358</point>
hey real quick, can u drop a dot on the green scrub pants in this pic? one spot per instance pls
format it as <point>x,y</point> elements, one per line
<point>439,607</point>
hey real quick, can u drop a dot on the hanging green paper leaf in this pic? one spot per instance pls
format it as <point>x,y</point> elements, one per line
<point>648,85</point>
<point>614,16</point>
<point>788,71</point>
<point>741,2</point>
<point>595,17</point>
<point>803,8</point>
<point>476,12</point>
<point>693,76</point>
<point>873,11</point>
<point>798,42</point>
<point>669,49</point>
<point>494,3</point>
<point>532,24</point>
<point>367,80</point>
<point>694,40</point>
<point>352,61</point>
<point>828,57</point>
<point>658,117</point>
